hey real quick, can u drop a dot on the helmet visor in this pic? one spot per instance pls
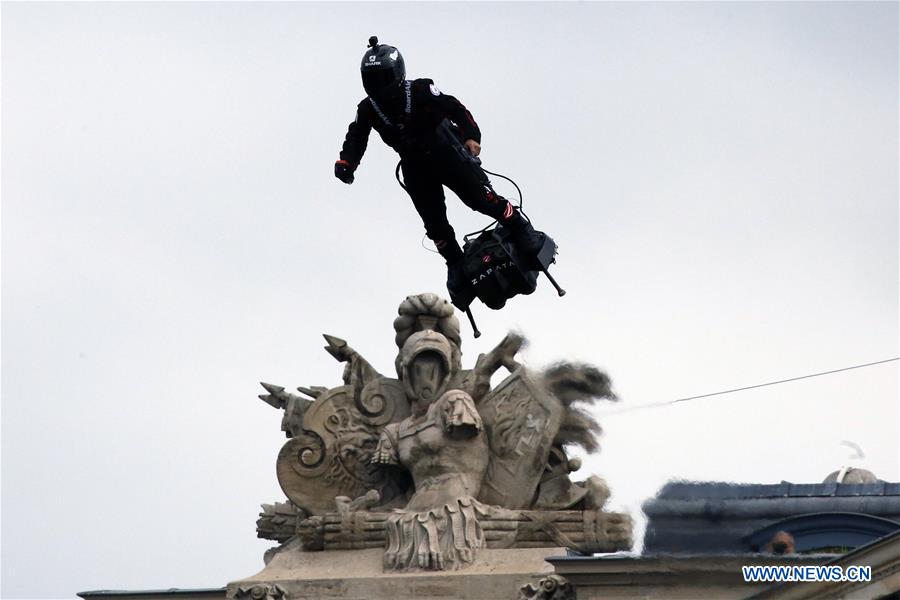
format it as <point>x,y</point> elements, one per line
<point>376,81</point>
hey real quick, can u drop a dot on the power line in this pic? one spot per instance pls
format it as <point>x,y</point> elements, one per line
<point>749,387</point>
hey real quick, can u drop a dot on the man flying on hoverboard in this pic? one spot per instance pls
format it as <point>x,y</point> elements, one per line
<point>438,142</point>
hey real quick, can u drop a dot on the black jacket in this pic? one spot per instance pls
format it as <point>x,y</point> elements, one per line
<point>408,124</point>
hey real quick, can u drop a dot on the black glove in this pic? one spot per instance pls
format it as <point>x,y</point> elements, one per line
<point>343,171</point>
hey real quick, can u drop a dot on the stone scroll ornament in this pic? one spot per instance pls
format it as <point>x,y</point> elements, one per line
<point>435,464</point>
<point>261,592</point>
<point>551,587</point>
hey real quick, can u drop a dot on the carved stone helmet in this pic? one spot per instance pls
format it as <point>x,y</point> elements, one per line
<point>426,365</point>
<point>427,311</point>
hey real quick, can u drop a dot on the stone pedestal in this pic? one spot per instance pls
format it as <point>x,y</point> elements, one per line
<point>357,575</point>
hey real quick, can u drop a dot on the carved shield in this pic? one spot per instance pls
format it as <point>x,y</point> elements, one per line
<point>521,419</point>
<point>331,455</point>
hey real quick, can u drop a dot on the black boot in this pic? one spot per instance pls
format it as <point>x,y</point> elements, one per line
<point>457,278</point>
<point>528,241</point>
<point>458,283</point>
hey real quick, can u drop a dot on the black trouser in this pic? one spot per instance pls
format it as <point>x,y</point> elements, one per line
<point>424,177</point>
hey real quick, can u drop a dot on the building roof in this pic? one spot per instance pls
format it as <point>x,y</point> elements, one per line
<point>722,517</point>
<point>718,490</point>
<point>166,593</point>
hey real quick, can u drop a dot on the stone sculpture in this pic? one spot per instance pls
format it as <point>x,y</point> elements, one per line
<point>435,464</point>
<point>552,587</point>
<point>261,592</point>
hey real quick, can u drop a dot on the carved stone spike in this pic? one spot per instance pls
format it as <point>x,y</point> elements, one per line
<point>357,372</point>
<point>274,397</point>
<point>337,347</point>
<point>312,391</point>
<point>279,521</point>
<point>294,407</point>
<point>551,587</point>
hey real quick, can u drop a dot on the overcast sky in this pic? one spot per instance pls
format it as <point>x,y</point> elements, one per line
<point>722,180</point>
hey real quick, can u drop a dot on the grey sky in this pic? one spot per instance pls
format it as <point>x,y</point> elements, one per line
<point>722,179</point>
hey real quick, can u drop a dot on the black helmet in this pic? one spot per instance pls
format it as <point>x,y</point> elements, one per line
<point>382,69</point>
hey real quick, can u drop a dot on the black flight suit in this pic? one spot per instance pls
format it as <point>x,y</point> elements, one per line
<point>408,124</point>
